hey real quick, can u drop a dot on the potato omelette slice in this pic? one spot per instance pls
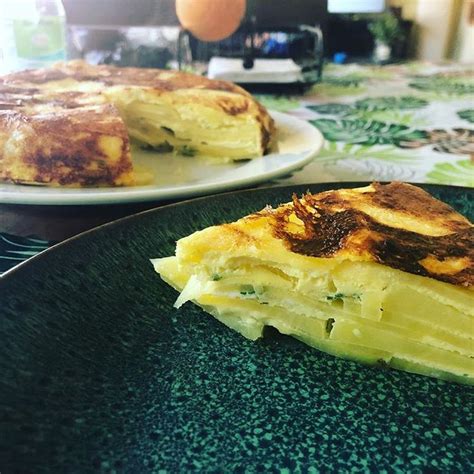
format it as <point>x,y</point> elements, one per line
<point>381,274</point>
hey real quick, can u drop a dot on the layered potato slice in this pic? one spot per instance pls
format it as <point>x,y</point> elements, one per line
<point>381,274</point>
<point>192,122</point>
<point>164,110</point>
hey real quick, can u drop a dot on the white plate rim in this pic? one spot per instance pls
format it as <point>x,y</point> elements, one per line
<point>31,195</point>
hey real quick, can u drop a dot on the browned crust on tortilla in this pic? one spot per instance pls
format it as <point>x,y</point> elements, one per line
<point>165,80</point>
<point>333,222</point>
<point>62,147</point>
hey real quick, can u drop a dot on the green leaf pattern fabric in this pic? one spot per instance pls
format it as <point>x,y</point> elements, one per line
<point>467,114</point>
<point>445,173</point>
<point>370,132</point>
<point>279,103</point>
<point>15,249</point>
<point>387,103</point>
<point>408,122</point>
<point>445,84</point>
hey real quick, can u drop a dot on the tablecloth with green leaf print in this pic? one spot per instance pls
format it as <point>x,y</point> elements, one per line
<point>411,122</point>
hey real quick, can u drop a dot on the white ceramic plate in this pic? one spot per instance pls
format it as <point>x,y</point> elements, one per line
<point>298,142</point>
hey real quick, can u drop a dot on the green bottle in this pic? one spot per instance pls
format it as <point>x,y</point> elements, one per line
<point>32,34</point>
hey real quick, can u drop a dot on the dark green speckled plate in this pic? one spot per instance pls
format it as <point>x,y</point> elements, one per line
<point>99,373</point>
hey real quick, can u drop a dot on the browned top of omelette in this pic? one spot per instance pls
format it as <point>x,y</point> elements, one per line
<point>68,76</point>
<point>81,71</point>
<point>398,225</point>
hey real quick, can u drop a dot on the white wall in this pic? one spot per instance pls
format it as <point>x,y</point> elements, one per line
<point>442,28</point>
<point>464,40</point>
<point>434,20</point>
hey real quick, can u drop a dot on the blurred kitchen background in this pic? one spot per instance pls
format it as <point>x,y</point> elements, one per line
<point>250,40</point>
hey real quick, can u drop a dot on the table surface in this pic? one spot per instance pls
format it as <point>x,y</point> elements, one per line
<point>409,122</point>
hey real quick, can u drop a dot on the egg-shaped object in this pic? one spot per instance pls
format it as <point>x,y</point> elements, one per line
<point>210,20</point>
